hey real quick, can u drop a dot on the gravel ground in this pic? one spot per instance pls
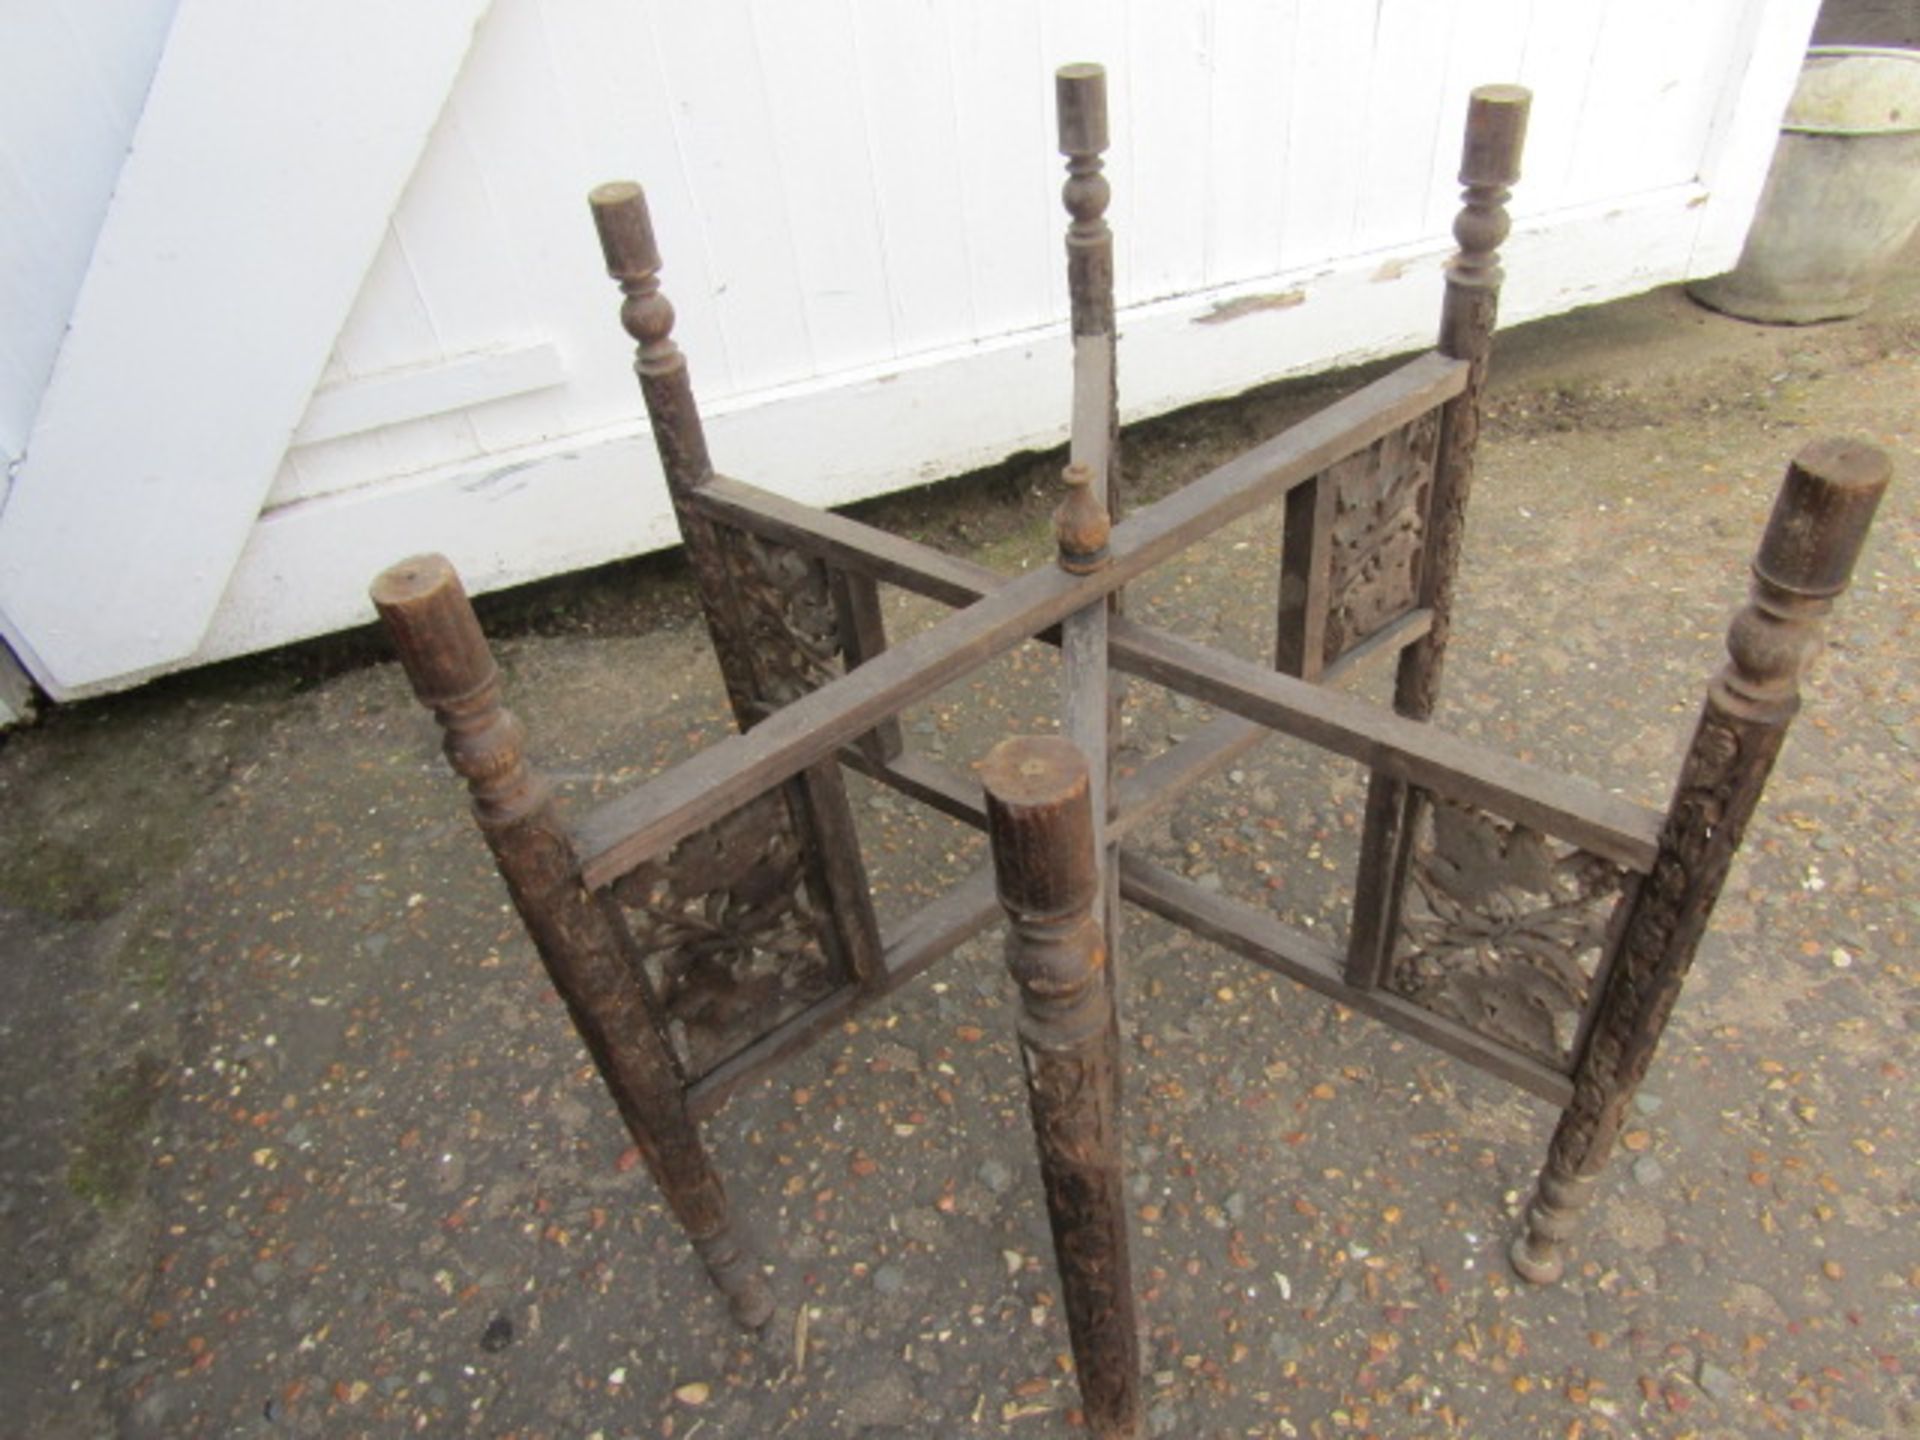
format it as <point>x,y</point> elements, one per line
<point>295,1140</point>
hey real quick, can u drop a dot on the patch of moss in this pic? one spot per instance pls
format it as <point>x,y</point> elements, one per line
<point>106,1162</point>
<point>150,960</point>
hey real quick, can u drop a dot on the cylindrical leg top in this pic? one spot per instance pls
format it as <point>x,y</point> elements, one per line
<point>626,229</point>
<point>1496,133</point>
<point>1042,825</point>
<point>1080,94</point>
<point>434,628</point>
<point>1821,517</point>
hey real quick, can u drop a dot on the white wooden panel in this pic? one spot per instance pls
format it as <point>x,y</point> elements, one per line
<point>273,144</point>
<point>1650,53</point>
<point>907,86</point>
<point>397,334</point>
<point>846,181</point>
<point>1167,124</point>
<point>416,391</point>
<point>709,67</point>
<point>857,202</point>
<point>1400,118</point>
<point>1557,65</point>
<point>1251,139</point>
<point>1010,171</point>
<point>826,185</point>
<point>1321,185</point>
<point>72,81</point>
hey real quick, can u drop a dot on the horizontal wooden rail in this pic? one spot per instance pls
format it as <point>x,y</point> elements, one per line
<point>1318,965</point>
<point>637,826</point>
<point>1559,805</point>
<point>846,543</point>
<point>930,932</point>
<point>1155,785</point>
<point>1166,777</point>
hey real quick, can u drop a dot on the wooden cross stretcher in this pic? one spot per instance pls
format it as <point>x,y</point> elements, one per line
<point>712,922</point>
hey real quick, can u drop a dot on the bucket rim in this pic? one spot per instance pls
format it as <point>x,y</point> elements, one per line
<point>1848,52</point>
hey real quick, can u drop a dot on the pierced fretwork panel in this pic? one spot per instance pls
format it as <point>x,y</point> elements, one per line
<point>1502,928</point>
<point>1378,517</point>
<point>786,603</point>
<point>730,932</point>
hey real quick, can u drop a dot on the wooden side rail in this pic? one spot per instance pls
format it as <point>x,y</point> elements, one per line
<point>1316,963</point>
<point>630,829</point>
<point>1609,825</point>
<point>638,825</point>
<point>1141,795</point>
<point>1215,499</point>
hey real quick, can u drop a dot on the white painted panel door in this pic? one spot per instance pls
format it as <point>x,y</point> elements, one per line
<point>857,201</point>
<point>274,142</point>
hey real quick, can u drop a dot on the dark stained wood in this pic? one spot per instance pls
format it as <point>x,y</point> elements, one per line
<point>1148,791</point>
<point>1217,498</point>
<point>730,576</point>
<point>1489,165</point>
<point>1300,638</point>
<point>1091,695</point>
<point>1819,522</point>
<point>842,874</point>
<point>746,857</point>
<point>848,544</point>
<point>1392,745</point>
<point>446,658</point>
<point>631,828</point>
<point>863,633</point>
<point>1168,776</point>
<point>926,781</point>
<point>1044,849</point>
<point>633,259</point>
<point>931,932</point>
<point>1081,525</point>
<point>1315,963</point>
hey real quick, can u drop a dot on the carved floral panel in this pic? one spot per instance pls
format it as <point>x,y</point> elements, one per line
<point>1502,929</point>
<point>1379,531</point>
<point>792,627</point>
<point>730,932</point>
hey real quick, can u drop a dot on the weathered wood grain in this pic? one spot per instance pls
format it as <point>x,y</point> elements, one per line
<point>631,828</point>
<point>1045,846</point>
<point>1819,522</point>
<point>453,674</point>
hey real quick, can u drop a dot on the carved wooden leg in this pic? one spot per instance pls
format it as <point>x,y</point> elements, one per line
<point>1041,823</point>
<point>1819,523</point>
<point>1489,165</point>
<point>446,657</point>
<point>764,604</point>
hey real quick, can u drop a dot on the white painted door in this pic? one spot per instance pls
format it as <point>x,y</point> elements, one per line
<point>347,303</point>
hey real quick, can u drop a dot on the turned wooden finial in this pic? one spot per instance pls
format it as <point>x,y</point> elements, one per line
<point>1819,522</point>
<point>1080,524</point>
<point>1080,93</point>
<point>633,258</point>
<point>1489,164</point>
<point>447,659</point>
